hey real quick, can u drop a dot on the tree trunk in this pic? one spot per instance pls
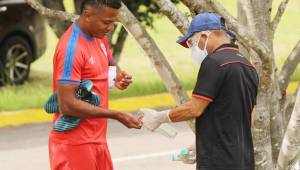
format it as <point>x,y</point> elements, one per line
<point>157,58</point>
<point>261,134</point>
<point>269,80</point>
<point>58,26</point>
<point>291,141</point>
<point>77,4</point>
<point>119,45</point>
<point>261,128</point>
<point>289,67</point>
<point>288,107</point>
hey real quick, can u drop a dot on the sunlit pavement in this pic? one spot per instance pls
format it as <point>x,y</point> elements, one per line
<point>25,148</point>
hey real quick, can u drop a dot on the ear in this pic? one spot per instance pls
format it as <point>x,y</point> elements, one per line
<point>87,14</point>
<point>205,34</point>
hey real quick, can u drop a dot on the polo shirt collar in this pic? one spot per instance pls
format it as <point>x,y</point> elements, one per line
<point>227,47</point>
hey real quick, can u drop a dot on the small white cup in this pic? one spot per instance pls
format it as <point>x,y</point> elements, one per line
<point>112,74</point>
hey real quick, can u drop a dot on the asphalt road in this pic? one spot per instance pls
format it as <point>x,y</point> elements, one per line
<point>25,148</point>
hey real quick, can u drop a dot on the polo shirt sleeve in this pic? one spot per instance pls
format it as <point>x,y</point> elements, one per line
<point>209,80</point>
<point>68,66</point>
<point>256,85</point>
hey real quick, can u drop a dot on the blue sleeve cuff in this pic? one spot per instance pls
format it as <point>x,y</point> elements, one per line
<point>68,82</point>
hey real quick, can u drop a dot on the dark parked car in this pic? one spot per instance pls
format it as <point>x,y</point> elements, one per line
<point>22,40</point>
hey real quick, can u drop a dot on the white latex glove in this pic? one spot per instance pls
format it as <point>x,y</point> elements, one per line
<point>192,158</point>
<point>152,119</point>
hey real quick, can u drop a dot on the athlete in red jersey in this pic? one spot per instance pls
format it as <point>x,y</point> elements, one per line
<point>83,53</point>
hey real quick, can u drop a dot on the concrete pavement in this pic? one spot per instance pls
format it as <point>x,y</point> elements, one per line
<point>25,147</point>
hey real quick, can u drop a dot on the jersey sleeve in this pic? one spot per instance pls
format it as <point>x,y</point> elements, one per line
<point>209,81</point>
<point>68,65</point>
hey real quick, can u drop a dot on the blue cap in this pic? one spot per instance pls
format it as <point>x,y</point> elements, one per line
<point>203,22</point>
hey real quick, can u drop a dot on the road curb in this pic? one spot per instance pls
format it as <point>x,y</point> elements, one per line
<point>32,116</point>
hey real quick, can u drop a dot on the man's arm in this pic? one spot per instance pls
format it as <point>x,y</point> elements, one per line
<point>189,110</point>
<point>70,105</point>
<point>192,109</point>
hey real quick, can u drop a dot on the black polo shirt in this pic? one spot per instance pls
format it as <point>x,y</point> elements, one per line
<point>223,132</point>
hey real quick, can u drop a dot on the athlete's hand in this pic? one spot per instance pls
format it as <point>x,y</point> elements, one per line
<point>130,121</point>
<point>123,80</point>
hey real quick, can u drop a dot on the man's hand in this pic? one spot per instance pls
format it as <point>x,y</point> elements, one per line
<point>123,80</point>
<point>152,119</point>
<point>130,121</point>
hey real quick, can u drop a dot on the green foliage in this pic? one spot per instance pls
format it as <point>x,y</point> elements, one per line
<point>144,10</point>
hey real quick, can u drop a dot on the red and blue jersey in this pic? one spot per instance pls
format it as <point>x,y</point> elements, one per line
<point>79,57</point>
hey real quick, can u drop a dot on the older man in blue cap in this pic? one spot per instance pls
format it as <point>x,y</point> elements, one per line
<point>223,100</point>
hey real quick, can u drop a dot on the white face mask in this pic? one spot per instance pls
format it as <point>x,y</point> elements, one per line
<point>199,55</point>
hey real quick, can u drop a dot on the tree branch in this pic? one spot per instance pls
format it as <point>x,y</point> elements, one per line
<point>241,31</point>
<point>248,8</point>
<point>133,26</point>
<point>297,89</point>
<point>288,105</point>
<point>278,16</point>
<point>179,19</point>
<point>51,13</point>
<point>289,67</point>
<point>58,26</point>
<point>243,35</point>
<point>291,141</point>
<point>155,55</point>
<point>197,6</point>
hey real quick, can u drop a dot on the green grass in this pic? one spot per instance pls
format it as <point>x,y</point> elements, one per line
<point>146,88</point>
<point>34,93</point>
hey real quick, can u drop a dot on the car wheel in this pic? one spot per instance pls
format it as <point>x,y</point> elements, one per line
<point>16,57</point>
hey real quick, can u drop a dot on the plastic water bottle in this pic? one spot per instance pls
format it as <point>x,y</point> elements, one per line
<point>164,129</point>
<point>167,131</point>
<point>185,155</point>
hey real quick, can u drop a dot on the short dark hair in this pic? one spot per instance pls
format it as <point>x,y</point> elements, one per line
<point>116,4</point>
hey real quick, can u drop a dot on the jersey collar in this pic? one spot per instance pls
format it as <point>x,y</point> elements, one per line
<point>87,37</point>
